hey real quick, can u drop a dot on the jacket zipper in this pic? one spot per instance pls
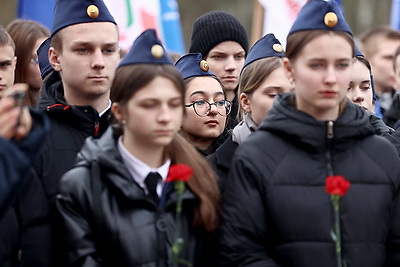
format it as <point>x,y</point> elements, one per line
<point>329,136</point>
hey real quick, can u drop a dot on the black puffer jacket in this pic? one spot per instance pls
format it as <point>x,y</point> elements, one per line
<point>276,211</point>
<point>107,219</point>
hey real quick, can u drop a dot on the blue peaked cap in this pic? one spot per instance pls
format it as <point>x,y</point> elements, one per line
<point>146,49</point>
<point>70,12</point>
<point>320,14</point>
<point>267,46</point>
<point>193,65</point>
<point>43,57</point>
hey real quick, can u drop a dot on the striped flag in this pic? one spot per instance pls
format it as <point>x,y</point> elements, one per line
<point>132,17</point>
<point>135,16</point>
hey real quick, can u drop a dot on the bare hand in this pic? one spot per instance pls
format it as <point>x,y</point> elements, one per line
<point>15,119</point>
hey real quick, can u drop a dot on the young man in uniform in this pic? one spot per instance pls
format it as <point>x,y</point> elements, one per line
<point>84,52</point>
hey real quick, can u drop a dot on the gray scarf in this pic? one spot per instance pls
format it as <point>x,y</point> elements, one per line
<point>243,129</point>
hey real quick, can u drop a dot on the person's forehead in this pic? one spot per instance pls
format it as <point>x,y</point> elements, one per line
<point>227,47</point>
<point>205,85</point>
<point>359,69</point>
<point>6,52</point>
<point>90,27</point>
<point>388,46</point>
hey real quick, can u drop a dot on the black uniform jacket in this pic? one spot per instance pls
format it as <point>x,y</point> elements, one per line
<point>276,211</point>
<point>107,219</point>
<point>70,126</point>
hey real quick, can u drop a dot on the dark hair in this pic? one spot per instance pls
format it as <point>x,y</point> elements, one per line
<point>5,39</point>
<point>296,41</point>
<point>130,79</point>
<point>25,34</point>
<point>253,75</point>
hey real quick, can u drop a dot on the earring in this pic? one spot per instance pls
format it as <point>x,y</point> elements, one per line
<point>291,80</point>
<point>123,122</point>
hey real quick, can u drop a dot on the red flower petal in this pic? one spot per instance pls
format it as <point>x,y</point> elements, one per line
<point>337,185</point>
<point>179,172</point>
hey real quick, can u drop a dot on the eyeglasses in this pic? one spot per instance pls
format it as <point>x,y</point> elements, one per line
<point>34,61</point>
<point>203,107</point>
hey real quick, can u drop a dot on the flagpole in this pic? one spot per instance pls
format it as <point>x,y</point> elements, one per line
<point>258,22</point>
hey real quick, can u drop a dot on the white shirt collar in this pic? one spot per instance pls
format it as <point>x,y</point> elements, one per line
<point>107,108</point>
<point>139,170</point>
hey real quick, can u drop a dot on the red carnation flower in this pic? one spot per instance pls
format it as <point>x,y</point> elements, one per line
<point>337,185</point>
<point>179,172</point>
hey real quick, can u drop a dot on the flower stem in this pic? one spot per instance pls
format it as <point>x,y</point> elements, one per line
<point>336,206</point>
<point>178,243</point>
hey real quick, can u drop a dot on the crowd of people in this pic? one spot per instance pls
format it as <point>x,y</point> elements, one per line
<point>230,155</point>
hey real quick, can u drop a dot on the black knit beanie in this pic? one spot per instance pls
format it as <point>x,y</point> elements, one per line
<point>216,27</point>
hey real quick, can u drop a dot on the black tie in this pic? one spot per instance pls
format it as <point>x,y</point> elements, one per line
<point>151,184</point>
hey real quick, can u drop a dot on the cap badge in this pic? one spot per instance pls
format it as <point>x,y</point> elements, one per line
<point>157,51</point>
<point>330,19</point>
<point>92,11</point>
<point>204,65</point>
<point>277,48</point>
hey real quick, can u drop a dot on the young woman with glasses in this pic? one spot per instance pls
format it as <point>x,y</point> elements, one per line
<point>206,109</point>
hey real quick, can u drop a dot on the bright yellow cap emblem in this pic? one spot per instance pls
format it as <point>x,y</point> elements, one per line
<point>277,48</point>
<point>92,11</point>
<point>204,65</point>
<point>157,51</point>
<point>330,19</point>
